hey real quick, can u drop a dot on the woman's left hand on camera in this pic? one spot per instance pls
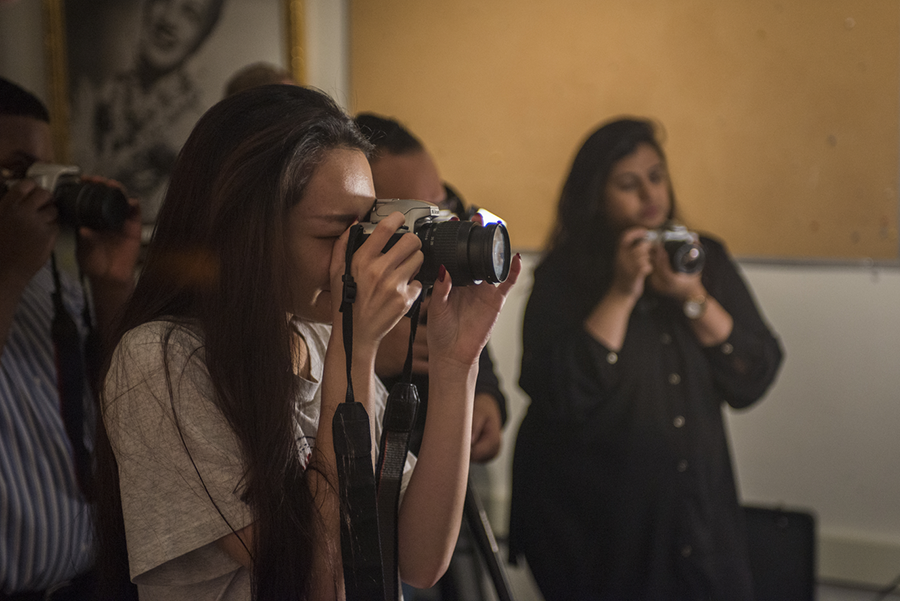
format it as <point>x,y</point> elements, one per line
<point>460,319</point>
<point>385,288</point>
<point>668,282</point>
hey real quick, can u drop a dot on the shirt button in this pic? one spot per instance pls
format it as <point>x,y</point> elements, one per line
<point>686,551</point>
<point>678,421</point>
<point>612,358</point>
<point>682,465</point>
<point>727,349</point>
<point>665,338</point>
<point>674,379</point>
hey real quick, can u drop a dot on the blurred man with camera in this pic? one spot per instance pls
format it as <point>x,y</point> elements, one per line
<point>49,326</point>
<point>402,168</point>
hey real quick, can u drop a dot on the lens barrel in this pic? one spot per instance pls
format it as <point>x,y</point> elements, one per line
<point>90,204</point>
<point>469,251</point>
<point>685,257</point>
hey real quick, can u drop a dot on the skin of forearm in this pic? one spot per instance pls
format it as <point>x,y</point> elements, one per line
<point>714,326</point>
<point>431,512</point>
<point>608,322</point>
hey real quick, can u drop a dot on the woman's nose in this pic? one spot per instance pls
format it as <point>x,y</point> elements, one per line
<point>645,192</point>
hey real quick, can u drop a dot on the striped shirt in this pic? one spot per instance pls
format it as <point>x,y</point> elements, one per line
<point>45,524</point>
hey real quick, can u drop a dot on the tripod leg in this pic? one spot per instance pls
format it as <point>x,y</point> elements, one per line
<point>477,519</point>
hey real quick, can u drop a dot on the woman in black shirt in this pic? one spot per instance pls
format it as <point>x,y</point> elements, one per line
<point>622,480</point>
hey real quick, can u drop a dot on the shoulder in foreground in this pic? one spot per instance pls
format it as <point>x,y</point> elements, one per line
<point>172,334</point>
<point>320,330</point>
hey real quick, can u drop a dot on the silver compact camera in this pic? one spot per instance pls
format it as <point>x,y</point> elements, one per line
<point>80,203</point>
<point>686,255</point>
<point>471,252</point>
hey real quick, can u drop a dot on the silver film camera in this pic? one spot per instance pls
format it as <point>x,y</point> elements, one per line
<point>471,252</point>
<point>80,203</point>
<point>686,255</point>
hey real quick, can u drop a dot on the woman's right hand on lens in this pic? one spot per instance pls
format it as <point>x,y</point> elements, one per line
<point>385,288</point>
<point>633,263</point>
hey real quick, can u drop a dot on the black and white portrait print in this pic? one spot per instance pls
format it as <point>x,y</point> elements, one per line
<point>143,71</point>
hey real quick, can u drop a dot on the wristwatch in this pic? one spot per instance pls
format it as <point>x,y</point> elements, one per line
<point>695,307</point>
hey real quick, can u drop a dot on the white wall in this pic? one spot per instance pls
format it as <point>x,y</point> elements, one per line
<point>826,436</point>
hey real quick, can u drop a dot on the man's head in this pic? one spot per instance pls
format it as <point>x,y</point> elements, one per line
<point>257,74</point>
<point>401,166</point>
<point>24,129</point>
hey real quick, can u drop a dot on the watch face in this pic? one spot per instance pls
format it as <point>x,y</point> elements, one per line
<point>694,308</point>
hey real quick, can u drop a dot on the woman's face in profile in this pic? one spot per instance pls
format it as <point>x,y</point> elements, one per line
<point>171,30</point>
<point>637,191</point>
<point>339,192</point>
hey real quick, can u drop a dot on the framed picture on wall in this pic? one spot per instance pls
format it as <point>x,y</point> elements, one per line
<point>132,77</point>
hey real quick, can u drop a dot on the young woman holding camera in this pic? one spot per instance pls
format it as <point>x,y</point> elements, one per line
<point>219,397</point>
<point>622,481</point>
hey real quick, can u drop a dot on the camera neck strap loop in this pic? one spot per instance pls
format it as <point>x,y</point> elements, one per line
<point>348,297</point>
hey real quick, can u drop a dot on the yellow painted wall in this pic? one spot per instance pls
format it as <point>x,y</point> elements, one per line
<point>781,117</point>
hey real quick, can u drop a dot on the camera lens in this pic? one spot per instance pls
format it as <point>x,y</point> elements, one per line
<point>686,257</point>
<point>470,252</point>
<point>90,204</point>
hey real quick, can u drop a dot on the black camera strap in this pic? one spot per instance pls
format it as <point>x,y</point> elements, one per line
<point>360,544</point>
<point>70,375</point>
<point>399,420</point>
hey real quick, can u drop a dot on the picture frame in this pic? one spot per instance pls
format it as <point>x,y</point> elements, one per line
<point>130,78</point>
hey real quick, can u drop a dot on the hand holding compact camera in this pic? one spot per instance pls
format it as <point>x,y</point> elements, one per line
<point>686,255</point>
<point>471,252</point>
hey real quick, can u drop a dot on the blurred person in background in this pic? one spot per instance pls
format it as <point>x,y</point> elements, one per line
<point>623,487</point>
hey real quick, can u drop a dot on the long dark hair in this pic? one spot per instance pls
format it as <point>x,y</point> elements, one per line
<point>582,235</point>
<point>218,260</point>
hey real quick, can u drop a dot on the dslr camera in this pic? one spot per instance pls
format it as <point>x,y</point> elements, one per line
<point>686,255</point>
<point>471,252</point>
<point>80,203</point>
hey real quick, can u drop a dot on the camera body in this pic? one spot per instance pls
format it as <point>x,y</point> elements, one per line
<point>686,255</point>
<point>81,203</point>
<point>470,252</point>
